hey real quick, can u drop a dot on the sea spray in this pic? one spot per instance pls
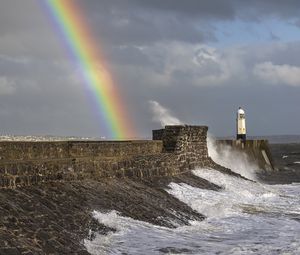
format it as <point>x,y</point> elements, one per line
<point>162,114</point>
<point>243,218</point>
<point>235,160</point>
<point>136,237</point>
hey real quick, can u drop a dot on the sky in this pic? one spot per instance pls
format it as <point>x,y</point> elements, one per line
<point>199,60</point>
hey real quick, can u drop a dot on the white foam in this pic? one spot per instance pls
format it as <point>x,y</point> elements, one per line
<point>235,160</point>
<point>137,237</point>
<point>243,218</point>
<point>238,196</point>
<point>228,202</point>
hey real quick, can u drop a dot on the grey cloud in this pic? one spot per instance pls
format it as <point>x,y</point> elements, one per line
<point>285,9</point>
<point>7,86</point>
<point>130,26</point>
<point>229,9</point>
<point>201,9</point>
<point>26,31</point>
<point>45,100</point>
<point>274,37</point>
<point>143,22</point>
<point>195,9</point>
<point>195,100</point>
<point>155,50</point>
<point>278,74</point>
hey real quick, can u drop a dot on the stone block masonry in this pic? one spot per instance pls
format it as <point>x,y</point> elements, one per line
<point>27,163</point>
<point>174,150</point>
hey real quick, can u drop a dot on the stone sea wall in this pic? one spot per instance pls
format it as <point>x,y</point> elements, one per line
<point>257,151</point>
<point>26,163</point>
<point>175,149</point>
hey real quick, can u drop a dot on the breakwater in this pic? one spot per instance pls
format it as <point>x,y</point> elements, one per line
<point>174,150</point>
<point>27,163</point>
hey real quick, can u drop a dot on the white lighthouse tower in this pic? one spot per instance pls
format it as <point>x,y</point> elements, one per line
<point>241,125</point>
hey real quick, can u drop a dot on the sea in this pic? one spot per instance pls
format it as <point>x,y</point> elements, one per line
<point>245,217</point>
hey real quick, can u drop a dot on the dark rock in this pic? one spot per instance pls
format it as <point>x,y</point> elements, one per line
<point>9,251</point>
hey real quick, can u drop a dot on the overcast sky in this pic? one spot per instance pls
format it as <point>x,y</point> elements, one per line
<point>200,59</point>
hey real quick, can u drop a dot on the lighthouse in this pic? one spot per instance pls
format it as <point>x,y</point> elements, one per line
<point>241,125</point>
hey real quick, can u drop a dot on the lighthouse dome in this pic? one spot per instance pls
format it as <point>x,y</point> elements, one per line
<point>241,111</point>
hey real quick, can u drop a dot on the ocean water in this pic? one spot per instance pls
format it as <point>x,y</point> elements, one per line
<point>244,218</point>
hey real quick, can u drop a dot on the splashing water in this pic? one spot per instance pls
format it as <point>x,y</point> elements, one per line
<point>243,218</point>
<point>238,196</point>
<point>163,115</point>
<point>237,161</point>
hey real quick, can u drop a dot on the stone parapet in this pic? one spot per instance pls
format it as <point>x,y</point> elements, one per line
<point>174,150</point>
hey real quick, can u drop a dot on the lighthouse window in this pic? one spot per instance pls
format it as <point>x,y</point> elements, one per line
<point>242,116</point>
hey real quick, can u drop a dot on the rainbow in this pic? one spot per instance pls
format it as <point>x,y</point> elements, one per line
<point>84,52</point>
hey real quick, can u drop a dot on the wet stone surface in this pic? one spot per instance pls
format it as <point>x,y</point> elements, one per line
<point>55,218</point>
